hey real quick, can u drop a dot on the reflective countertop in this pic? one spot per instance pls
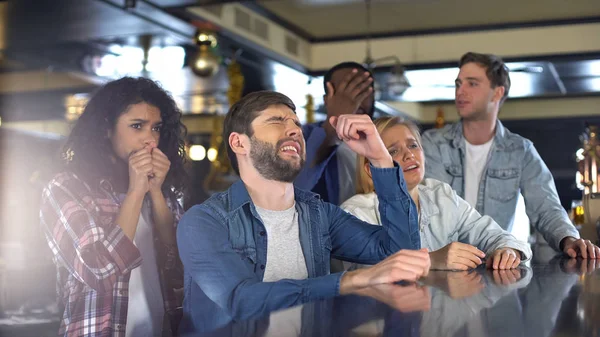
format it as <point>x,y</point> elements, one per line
<point>559,297</point>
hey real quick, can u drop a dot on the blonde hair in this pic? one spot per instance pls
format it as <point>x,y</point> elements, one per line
<point>364,182</point>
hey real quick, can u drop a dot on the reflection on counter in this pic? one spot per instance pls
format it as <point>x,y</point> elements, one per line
<point>559,297</point>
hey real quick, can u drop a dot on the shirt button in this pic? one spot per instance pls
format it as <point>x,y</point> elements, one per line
<point>262,266</point>
<point>263,233</point>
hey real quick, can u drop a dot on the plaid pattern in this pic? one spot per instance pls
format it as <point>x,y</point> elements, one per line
<point>94,258</point>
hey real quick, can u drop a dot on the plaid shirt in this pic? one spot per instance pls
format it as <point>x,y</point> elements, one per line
<point>94,258</point>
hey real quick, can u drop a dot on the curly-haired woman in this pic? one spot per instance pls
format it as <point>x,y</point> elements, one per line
<point>110,215</point>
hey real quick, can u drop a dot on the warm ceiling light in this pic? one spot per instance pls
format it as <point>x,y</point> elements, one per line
<point>206,63</point>
<point>397,82</point>
<point>74,105</point>
<point>212,154</point>
<point>197,152</point>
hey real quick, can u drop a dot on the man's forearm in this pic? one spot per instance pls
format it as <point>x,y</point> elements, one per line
<point>323,152</point>
<point>399,215</point>
<point>328,145</point>
<point>385,162</point>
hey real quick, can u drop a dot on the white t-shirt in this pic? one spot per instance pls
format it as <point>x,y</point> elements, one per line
<point>476,157</point>
<point>145,311</point>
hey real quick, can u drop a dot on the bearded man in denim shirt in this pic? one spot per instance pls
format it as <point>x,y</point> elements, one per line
<point>488,166</point>
<point>264,245</point>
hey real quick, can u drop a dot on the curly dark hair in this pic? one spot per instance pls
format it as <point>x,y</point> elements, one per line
<point>88,150</point>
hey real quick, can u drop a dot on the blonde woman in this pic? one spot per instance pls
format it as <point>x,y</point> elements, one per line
<point>457,236</point>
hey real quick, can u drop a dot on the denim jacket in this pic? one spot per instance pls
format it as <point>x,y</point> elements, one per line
<point>445,218</point>
<point>514,166</point>
<point>223,246</point>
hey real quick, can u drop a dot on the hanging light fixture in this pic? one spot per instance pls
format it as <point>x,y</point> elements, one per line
<point>74,105</point>
<point>205,63</point>
<point>396,83</point>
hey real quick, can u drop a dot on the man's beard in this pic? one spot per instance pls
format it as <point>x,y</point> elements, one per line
<point>265,158</point>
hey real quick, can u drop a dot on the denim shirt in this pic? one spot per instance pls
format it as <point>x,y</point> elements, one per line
<point>514,166</point>
<point>445,218</point>
<point>324,178</point>
<point>223,246</point>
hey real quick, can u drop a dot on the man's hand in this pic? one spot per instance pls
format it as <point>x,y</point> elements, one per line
<point>580,247</point>
<point>359,132</point>
<point>405,265</point>
<point>504,258</point>
<point>344,99</point>
<point>349,94</point>
<point>456,256</point>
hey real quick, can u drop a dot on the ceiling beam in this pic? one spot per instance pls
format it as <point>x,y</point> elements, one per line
<point>517,43</point>
<point>414,50</point>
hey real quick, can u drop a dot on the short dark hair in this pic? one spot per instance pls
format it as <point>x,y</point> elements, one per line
<point>241,115</point>
<point>343,65</point>
<point>495,69</point>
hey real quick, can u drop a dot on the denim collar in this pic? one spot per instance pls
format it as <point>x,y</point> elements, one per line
<point>238,195</point>
<point>455,134</point>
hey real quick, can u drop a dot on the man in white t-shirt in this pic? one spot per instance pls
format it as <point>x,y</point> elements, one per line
<point>490,167</point>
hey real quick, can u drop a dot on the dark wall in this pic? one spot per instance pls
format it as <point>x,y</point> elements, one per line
<point>556,140</point>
